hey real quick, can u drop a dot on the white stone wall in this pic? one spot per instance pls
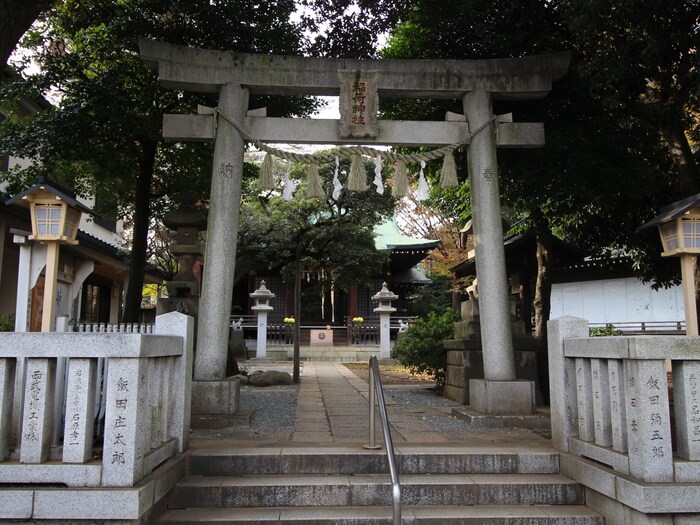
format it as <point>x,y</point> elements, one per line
<point>617,301</point>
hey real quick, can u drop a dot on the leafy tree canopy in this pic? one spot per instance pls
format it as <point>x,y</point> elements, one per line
<point>604,170</point>
<point>103,134</point>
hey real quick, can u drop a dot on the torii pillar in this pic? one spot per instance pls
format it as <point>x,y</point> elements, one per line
<point>477,82</point>
<point>499,392</point>
<point>222,238</point>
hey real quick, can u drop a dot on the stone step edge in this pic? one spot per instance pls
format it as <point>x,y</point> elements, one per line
<point>302,480</point>
<point>573,514</point>
<point>354,448</point>
<point>373,489</point>
<point>344,460</point>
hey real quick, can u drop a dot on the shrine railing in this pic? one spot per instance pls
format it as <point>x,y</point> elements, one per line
<point>630,403</point>
<point>146,387</point>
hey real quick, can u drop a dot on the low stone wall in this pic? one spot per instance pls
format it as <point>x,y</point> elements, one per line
<point>625,435</point>
<point>465,362</point>
<point>132,391</point>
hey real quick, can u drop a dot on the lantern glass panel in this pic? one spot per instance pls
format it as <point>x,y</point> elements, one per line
<point>669,235</point>
<point>72,220</point>
<point>691,233</point>
<point>48,218</point>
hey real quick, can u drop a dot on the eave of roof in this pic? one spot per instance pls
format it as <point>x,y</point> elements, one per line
<point>672,211</point>
<point>388,237</point>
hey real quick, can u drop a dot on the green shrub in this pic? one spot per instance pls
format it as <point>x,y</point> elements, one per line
<point>421,350</point>
<point>7,322</point>
<point>606,331</point>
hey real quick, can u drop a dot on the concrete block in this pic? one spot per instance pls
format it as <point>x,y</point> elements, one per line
<point>601,402</point>
<point>97,504</point>
<point>283,491</point>
<point>613,511</point>
<point>502,397</point>
<point>543,489</point>
<point>126,422</point>
<point>216,397</point>
<point>467,330</point>
<point>82,345</point>
<point>482,421</point>
<point>80,401</point>
<point>588,474</point>
<point>16,504</point>
<point>37,416</point>
<point>648,421</point>
<point>7,390</point>
<point>73,475</point>
<point>658,498</point>
<point>562,376</point>
<point>618,413</point>
<point>686,401</point>
<point>617,460</point>
<point>686,471</point>
<point>176,324</point>
<point>584,399</point>
<point>168,476</point>
<point>277,355</point>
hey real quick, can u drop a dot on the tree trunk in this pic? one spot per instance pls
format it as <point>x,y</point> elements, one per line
<point>543,297</point>
<point>297,314</point>
<point>673,135</point>
<point>139,243</point>
<point>543,286</point>
<point>15,19</point>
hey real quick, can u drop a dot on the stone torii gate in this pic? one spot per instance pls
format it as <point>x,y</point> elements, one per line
<point>234,76</point>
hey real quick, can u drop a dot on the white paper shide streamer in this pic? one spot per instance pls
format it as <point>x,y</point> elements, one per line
<point>337,185</point>
<point>378,175</point>
<point>423,192</point>
<point>289,186</point>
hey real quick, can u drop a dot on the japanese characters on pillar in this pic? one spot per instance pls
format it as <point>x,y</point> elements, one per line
<point>648,425</point>
<point>359,102</point>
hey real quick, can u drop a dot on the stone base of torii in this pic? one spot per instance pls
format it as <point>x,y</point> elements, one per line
<point>234,76</point>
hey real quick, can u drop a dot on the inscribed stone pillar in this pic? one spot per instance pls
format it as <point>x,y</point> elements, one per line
<point>222,232</point>
<point>497,341</point>
<point>37,420</point>
<point>648,421</point>
<point>80,401</point>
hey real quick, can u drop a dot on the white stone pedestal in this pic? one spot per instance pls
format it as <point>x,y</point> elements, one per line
<point>502,397</point>
<point>261,348</point>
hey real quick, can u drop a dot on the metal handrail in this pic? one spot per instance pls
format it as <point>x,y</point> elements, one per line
<point>374,380</point>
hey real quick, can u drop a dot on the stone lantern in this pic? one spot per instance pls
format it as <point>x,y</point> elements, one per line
<point>262,297</point>
<point>384,297</point>
<point>55,215</point>
<point>679,228</point>
<point>183,289</point>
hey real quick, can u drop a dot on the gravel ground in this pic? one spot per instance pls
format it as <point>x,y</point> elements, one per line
<point>417,396</point>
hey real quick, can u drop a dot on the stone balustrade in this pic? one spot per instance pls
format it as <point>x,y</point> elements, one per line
<point>146,388</point>
<point>626,414</point>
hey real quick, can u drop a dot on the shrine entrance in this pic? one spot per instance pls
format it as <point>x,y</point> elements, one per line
<point>360,83</point>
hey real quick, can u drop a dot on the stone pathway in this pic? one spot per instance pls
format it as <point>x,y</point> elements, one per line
<point>330,406</point>
<point>333,406</point>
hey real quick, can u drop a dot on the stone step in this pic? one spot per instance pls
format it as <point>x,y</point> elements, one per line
<point>373,489</point>
<point>411,459</point>
<point>434,515</point>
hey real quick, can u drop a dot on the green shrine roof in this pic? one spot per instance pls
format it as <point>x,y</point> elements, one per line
<point>406,252</point>
<point>388,237</point>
